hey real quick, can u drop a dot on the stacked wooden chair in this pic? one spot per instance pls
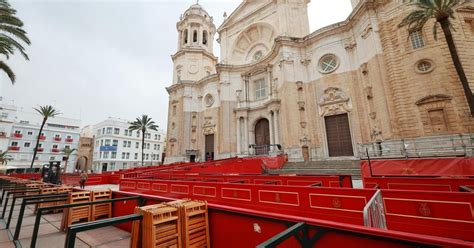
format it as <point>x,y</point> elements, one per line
<point>76,214</point>
<point>101,210</point>
<point>182,223</point>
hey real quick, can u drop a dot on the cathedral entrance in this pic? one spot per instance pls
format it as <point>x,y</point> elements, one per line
<point>262,137</point>
<point>305,153</point>
<point>209,147</point>
<point>338,136</point>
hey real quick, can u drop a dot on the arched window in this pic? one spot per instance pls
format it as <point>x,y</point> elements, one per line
<point>204,37</point>
<point>185,36</point>
<point>195,36</point>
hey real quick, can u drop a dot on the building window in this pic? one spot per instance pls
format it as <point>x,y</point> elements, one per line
<point>174,110</point>
<point>185,36</point>
<point>107,142</point>
<point>158,147</point>
<point>128,155</point>
<point>138,134</point>
<point>52,158</point>
<point>156,136</point>
<point>137,145</point>
<point>159,137</point>
<point>129,144</point>
<point>125,132</point>
<point>424,66</point>
<point>4,115</point>
<point>27,144</point>
<point>112,166</point>
<point>124,143</point>
<point>14,144</point>
<point>258,56</point>
<point>209,100</point>
<point>417,40</point>
<point>328,63</point>
<point>148,146</point>
<point>98,132</point>
<point>55,146</point>
<point>101,142</point>
<point>57,136</point>
<point>204,37</point>
<point>136,156</point>
<point>117,131</point>
<point>103,130</point>
<point>67,147</point>
<point>109,130</point>
<point>106,154</point>
<point>30,133</point>
<point>123,155</point>
<point>69,137</point>
<point>114,155</point>
<point>195,36</point>
<point>124,165</point>
<point>17,132</point>
<point>115,143</point>
<point>260,89</point>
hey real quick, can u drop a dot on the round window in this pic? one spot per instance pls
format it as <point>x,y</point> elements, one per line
<point>424,66</point>
<point>257,56</point>
<point>328,63</point>
<point>209,100</point>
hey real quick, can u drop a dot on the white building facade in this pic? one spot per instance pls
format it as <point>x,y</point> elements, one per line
<point>19,130</point>
<point>116,147</point>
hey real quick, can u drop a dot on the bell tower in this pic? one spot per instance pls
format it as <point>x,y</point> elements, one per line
<point>194,59</point>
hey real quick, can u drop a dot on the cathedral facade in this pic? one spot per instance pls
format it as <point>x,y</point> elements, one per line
<point>314,96</point>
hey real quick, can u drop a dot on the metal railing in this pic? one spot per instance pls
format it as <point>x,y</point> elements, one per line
<point>264,150</point>
<point>41,210</point>
<point>74,229</point>
<point>374,212</point>
<point>433,146</point>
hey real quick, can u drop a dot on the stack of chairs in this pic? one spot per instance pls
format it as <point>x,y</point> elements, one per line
<point>182,223</point>
<point>76,214</point>
<point>101,210</point>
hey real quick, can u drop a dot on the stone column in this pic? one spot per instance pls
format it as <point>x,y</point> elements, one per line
<point>271,126</point>
<point>246,134</point>
<point>238,136</point>
<point>275,125</point>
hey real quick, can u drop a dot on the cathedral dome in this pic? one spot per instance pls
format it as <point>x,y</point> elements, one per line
<point>196,9</point>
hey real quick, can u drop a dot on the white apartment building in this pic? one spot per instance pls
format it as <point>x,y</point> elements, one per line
<point>19,130</point>
<point>116,147</point>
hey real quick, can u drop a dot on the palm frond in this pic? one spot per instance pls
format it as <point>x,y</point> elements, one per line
<point>143,124</point>
<point>15,31</point>
<point>4,67</point>
<point>425,10</point>
<point>47,111</point>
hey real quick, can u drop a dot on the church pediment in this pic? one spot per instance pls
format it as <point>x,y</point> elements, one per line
<point>245,9</point>
<point>432,99</point>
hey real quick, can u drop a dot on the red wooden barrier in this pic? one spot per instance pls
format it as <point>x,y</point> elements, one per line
<point>239,227</point>
<point>418,183</point>
<point>325,181</point>
<point>434,213</point>
<point>462,167</point>
<point>336,204</point>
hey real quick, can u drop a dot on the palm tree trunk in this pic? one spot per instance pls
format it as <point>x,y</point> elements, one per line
<point>65,164</point>
<point>35,151</point>
<point>143,145</point>
<point>457,63</point>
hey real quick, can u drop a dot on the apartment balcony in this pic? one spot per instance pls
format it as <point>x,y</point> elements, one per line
<point>55,150</point>
<point>42,137</point>
<point>3,135</point>
<point>40,149</point>
<point>14,148</point>
<point>17,135</point>
<point>57,139</point>
<point>69,140</point>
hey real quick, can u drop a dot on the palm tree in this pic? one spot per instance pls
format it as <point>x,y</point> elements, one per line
<point>143,124</point>
<point>441,11</point>
<point>47,111</point>
<point>67,152</point>
<point>10,29</point>
<point>4,158</point>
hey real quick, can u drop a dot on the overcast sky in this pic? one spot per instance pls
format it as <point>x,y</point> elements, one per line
<point>93,59</point>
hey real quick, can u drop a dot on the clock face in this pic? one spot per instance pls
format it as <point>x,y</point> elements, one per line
<point>193,69</point>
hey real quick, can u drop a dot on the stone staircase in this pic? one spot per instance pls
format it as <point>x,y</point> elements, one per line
<point>322,167</point>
